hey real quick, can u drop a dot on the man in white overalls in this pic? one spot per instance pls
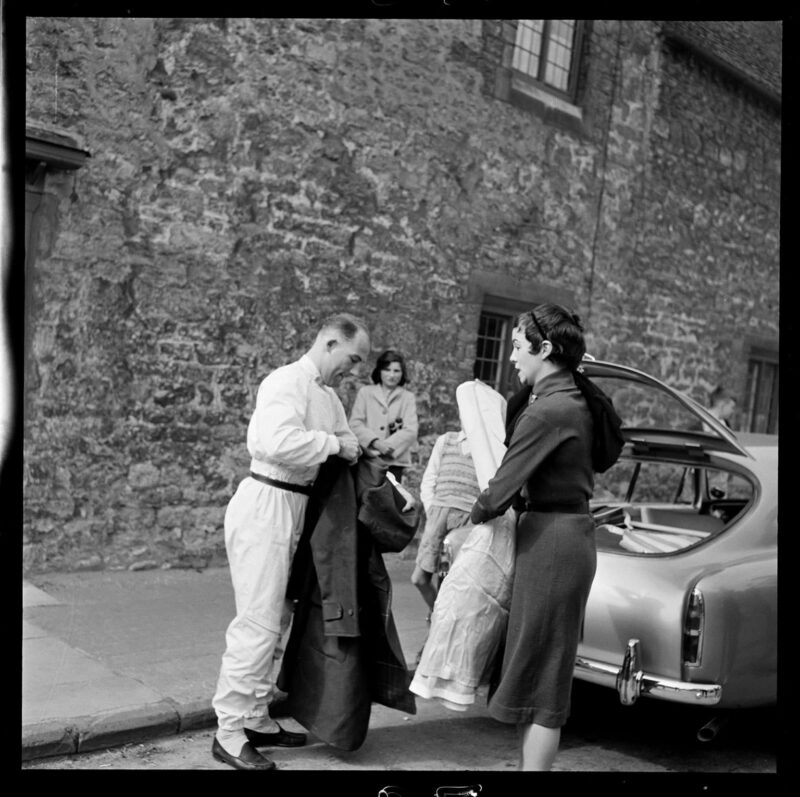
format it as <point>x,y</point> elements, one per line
<point>297,424</point>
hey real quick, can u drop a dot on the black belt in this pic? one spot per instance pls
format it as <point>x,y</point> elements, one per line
<point>576,508</point>
<point>294,488</point>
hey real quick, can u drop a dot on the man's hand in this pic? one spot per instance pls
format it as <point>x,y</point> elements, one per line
<point>349,450</point>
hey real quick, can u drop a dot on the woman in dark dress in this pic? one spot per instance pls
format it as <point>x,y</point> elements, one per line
<point>546,474</point>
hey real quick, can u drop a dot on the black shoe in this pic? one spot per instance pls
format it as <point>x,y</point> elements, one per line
<point>281,738</point>
<point>249,758</point>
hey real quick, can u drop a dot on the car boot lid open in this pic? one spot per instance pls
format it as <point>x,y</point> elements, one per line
<point>658,420</point>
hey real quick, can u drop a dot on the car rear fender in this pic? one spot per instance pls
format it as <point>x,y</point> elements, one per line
<point>632,597</point>
<point>739,642</point>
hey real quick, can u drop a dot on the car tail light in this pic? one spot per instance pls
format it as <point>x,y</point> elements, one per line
<point>693,623</point>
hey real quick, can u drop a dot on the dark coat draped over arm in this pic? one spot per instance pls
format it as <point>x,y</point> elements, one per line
<point>344,652</point>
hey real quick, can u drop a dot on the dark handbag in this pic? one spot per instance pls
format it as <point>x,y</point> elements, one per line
<point>607,440</point>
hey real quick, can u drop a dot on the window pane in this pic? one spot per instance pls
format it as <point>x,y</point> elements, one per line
<point>562,31</point>
<point>643,406</point>
<point>559,53</point>
<point>662,484</point>
<point>612,486</point>
<point>528,46</point>
<point>543,50</point>
<point>647,507</point>
<point>556,77</point>
<point>492,330</point>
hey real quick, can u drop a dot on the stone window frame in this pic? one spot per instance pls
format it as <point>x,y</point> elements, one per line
<point>522,90</point>
<point>496,295</point>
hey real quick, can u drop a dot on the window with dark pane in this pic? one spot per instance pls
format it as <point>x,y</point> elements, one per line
<point>761,407</point>
<point>490,349</point>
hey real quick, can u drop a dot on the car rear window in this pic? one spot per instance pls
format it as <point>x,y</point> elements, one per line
<point>642,406</point>
<point>650,507</point>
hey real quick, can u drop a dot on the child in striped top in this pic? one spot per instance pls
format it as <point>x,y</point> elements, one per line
<point>448,490</point>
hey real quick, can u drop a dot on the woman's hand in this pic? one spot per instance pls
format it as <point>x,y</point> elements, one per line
<point>382,448</point>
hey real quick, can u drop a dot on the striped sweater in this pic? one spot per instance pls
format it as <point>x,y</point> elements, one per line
<point>452,474</point>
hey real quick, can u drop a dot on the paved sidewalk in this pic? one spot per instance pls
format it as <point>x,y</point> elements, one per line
<point>114,657</point>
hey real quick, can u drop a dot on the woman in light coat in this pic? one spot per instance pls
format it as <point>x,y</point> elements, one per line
<point>384,414</point>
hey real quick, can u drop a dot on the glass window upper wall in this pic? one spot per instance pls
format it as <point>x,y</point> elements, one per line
<point>545,51</point>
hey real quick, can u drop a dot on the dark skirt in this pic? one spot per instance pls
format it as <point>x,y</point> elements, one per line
<point>555,565</point>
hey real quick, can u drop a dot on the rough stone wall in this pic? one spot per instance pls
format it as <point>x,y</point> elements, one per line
<point>703,228</point>
<point>250,176</point>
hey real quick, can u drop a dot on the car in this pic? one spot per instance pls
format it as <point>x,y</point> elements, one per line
<point>683,606</point>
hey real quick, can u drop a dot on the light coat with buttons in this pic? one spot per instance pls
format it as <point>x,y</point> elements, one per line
<point>374,415</point>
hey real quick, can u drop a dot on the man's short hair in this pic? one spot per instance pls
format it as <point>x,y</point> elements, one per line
<point>719,393</point>
<point>345,324</point>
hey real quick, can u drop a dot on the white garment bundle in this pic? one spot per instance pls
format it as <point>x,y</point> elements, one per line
<point>469,617</point>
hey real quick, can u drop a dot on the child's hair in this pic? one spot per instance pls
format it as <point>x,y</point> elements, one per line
<point>384,360</point>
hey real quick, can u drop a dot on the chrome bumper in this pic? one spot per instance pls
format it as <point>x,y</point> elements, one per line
<point>631,682</point>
